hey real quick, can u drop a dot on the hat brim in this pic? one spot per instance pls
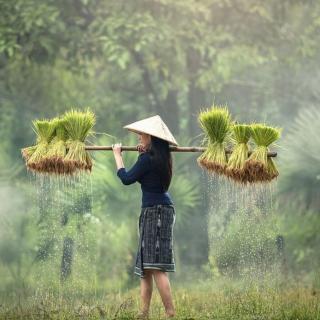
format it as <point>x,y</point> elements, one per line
<point>137,131</point>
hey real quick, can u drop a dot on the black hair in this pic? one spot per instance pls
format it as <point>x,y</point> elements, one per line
<point>162,160</point>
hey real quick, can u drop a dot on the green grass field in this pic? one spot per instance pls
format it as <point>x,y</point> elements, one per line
<point>295,303</point>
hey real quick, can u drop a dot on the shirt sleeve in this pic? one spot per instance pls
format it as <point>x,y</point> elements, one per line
<point>136,172</point>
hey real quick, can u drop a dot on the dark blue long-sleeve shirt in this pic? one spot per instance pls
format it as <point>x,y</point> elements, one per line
<point>144,173</point>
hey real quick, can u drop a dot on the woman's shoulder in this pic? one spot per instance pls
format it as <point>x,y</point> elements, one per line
<point>144,159</point>
<point>144,155</point>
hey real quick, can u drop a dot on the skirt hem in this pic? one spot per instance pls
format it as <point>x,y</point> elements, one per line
<point>138,271</point>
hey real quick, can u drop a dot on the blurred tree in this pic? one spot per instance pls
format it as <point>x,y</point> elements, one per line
<point>171,56</point>
<point>299,182</point>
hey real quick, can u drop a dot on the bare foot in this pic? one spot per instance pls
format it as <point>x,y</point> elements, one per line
<point>170,314</point>
<point>142,315</point>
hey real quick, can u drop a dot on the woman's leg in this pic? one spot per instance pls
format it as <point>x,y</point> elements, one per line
<point>162,281</point>
<point>146,291</point>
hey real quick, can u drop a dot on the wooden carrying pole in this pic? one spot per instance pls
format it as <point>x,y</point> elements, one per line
<point>172,149</point>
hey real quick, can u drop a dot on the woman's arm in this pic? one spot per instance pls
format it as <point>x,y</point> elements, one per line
<point>117,155</point>
<point>138,169</point>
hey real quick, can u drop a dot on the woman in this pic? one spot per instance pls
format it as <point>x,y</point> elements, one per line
<point>153,170</point>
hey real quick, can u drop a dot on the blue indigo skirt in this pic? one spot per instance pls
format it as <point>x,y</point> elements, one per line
<point>155,249</point>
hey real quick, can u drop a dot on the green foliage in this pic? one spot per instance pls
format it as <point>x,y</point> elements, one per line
<point>17,241</point>
<point>30,28</point>
<point>300,182</point>
<point>301,234</point>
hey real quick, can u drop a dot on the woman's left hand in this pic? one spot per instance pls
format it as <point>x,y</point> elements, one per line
<point>116,148</point>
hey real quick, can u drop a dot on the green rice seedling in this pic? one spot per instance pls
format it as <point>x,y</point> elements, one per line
<point>241,134</point>
<point>260,168</point>
<point>27,152</point>
<point>53,162</point>
<point>44,130</point>
<point>78,125</point>
<point>216,124</point>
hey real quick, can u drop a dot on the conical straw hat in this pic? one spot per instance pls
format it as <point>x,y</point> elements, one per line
<point>153,126</point>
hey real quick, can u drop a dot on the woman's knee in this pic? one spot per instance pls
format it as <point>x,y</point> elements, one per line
<point>160,273</point>
<point>148,273</point>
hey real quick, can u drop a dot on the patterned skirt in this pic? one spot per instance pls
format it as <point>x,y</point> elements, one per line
<point>155,249</point>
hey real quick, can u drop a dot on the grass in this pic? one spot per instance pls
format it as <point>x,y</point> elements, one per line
<point>190,303</point>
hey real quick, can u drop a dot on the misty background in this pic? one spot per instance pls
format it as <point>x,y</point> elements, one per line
<point>128,60</point>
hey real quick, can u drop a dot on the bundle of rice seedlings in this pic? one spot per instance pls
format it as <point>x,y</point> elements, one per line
<point>53,162</point>
<point>259,167</point>
<point>241,134</point>
<point>44,130</point>
<point>216,124</point>
<point>27,152</point>
<point>78,125</point>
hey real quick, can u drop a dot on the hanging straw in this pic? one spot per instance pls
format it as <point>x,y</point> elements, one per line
<point>260,168</point>
<point>241,134</point>
<point>216,124</point>
<point>44,130</point>
<point>78,126</point>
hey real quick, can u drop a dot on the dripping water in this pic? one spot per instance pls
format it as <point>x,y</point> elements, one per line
<point>242,230</point>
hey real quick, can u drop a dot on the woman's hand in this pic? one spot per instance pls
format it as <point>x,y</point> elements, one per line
<point>117,155</point>
<point>117,149</point>
<point>141,148</point>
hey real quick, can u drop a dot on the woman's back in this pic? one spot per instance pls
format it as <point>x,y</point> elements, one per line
<point>146,174</point>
